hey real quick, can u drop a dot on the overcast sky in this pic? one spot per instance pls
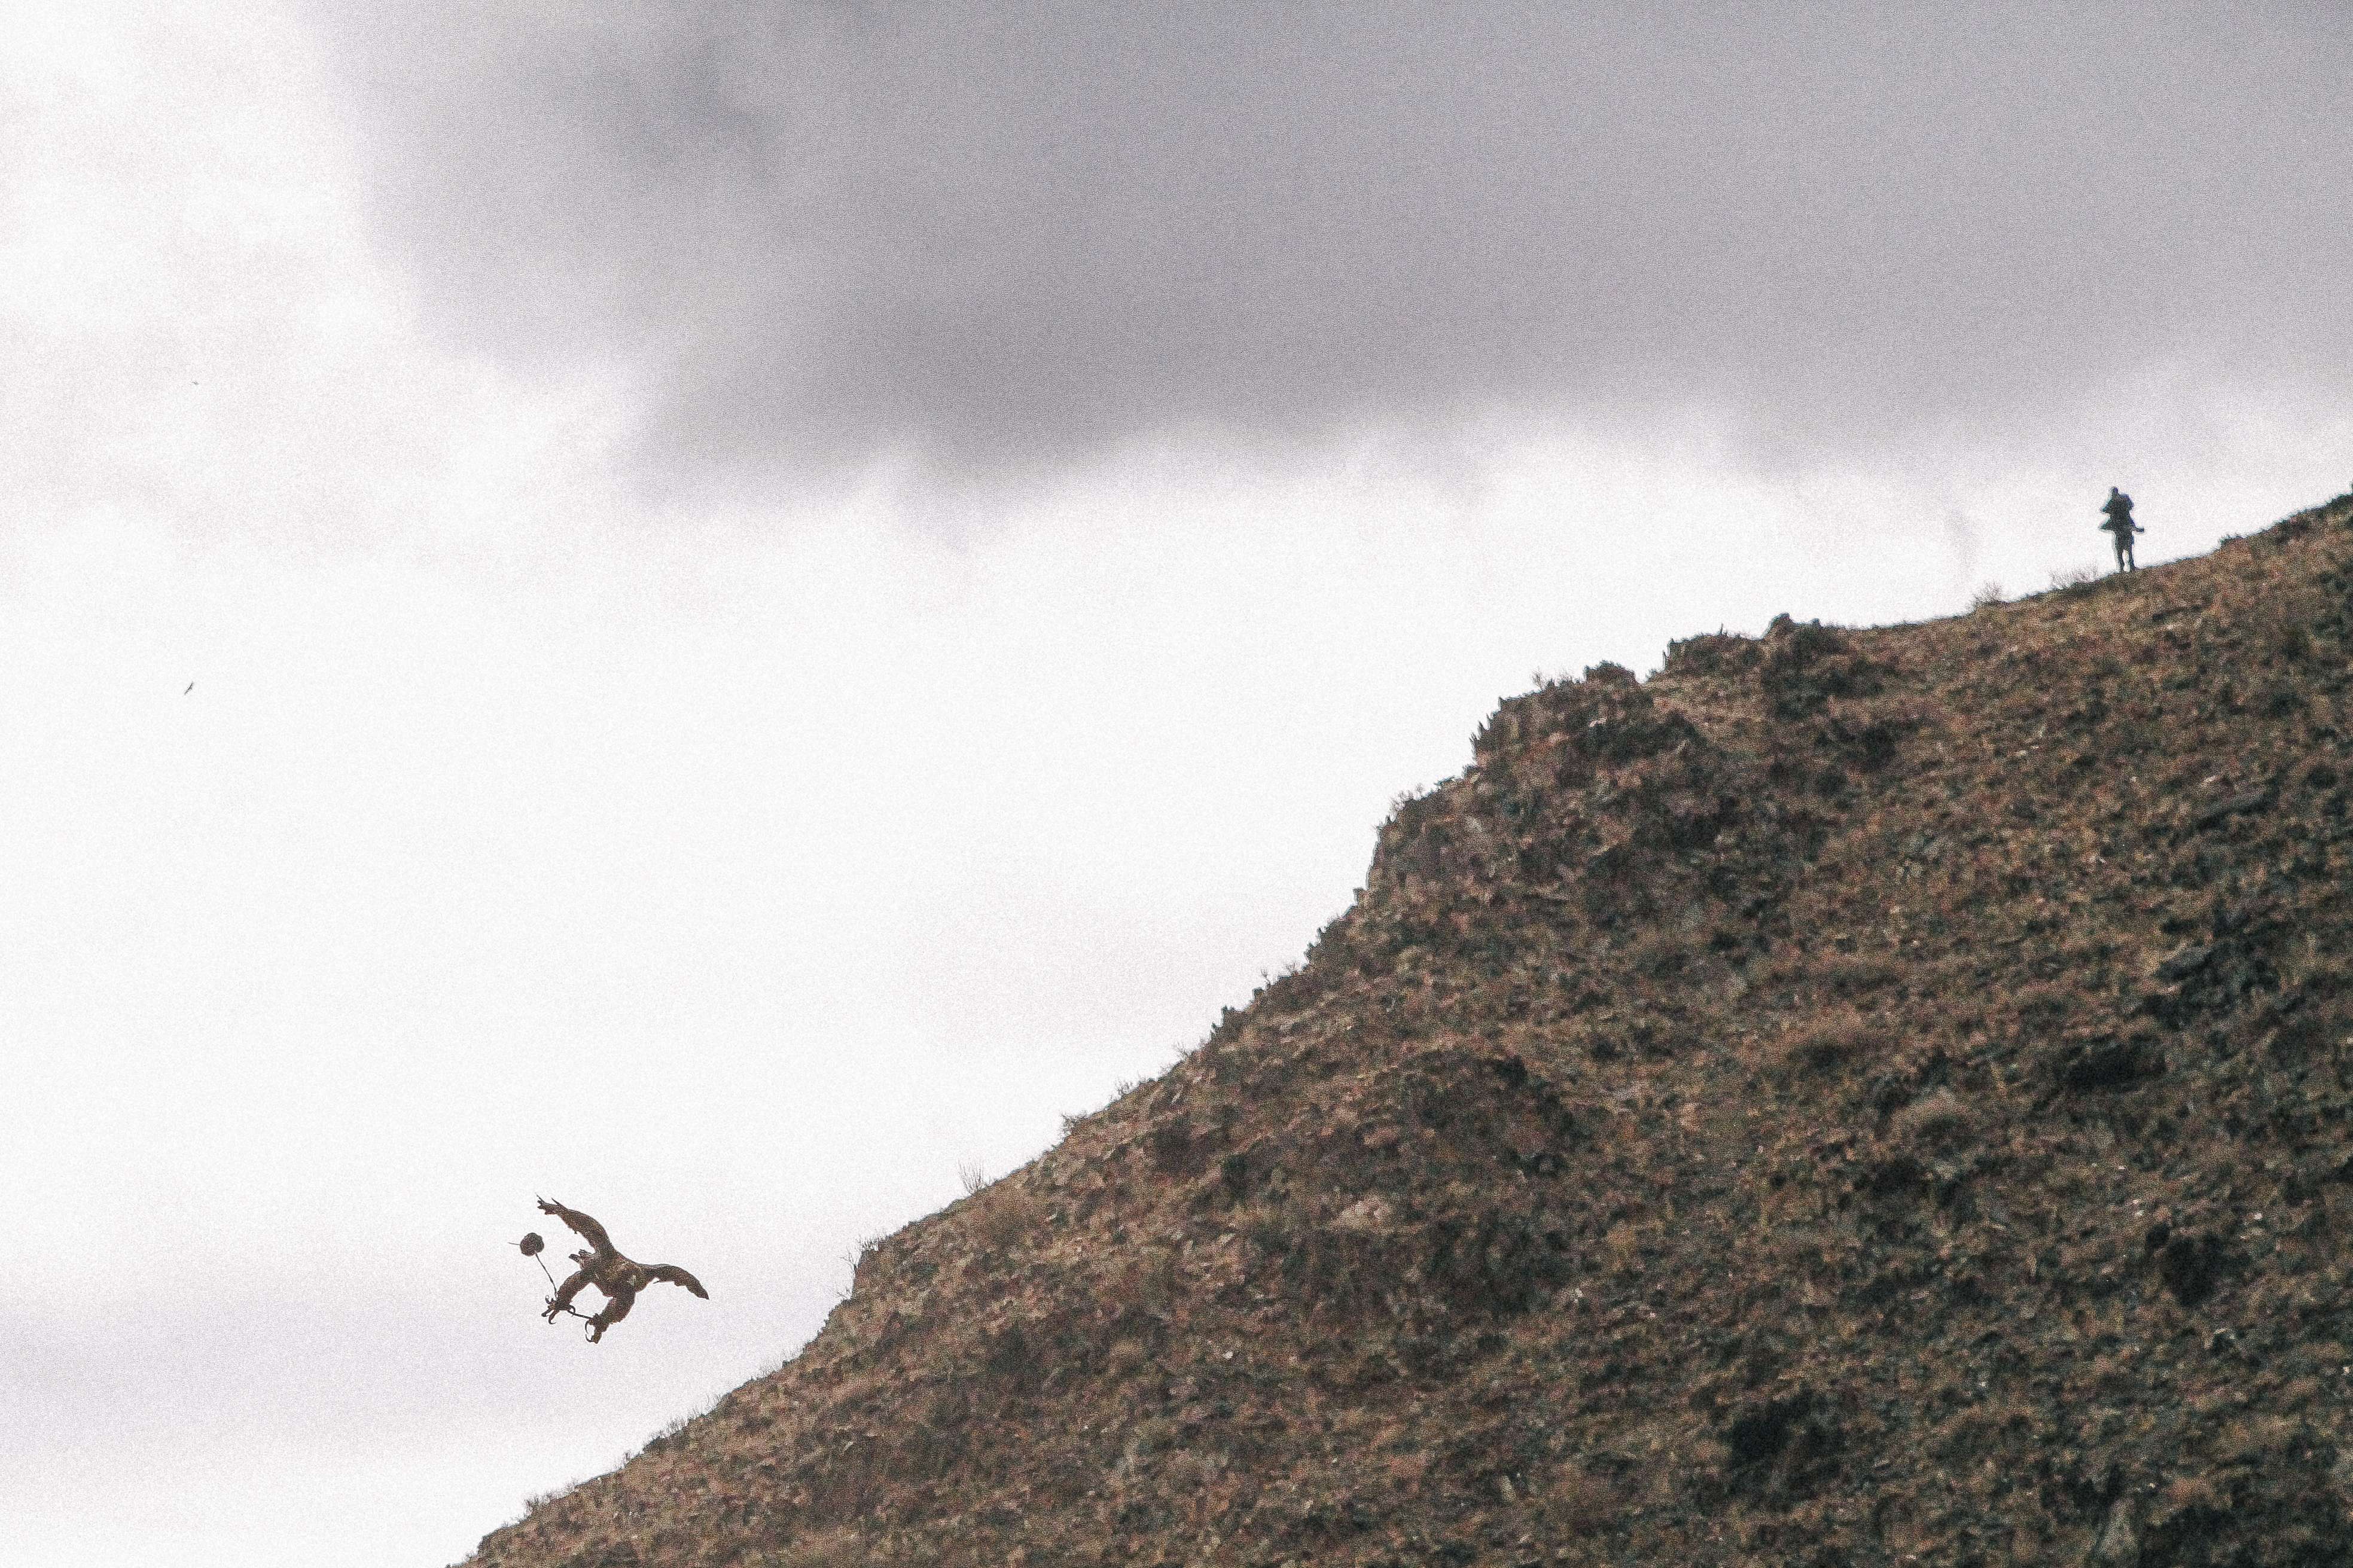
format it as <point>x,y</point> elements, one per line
<point>717,610</point>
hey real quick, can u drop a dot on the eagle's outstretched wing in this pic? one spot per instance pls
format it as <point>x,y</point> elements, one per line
<point>587,1228</point>
<point>674,1275</point>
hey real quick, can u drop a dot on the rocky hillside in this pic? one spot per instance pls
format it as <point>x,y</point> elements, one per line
<point>1858,1097</point>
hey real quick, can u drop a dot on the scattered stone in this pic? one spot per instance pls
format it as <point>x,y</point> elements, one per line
<point>2237,805</point>
<point>2186,962</point>
<point>2117,1541</point>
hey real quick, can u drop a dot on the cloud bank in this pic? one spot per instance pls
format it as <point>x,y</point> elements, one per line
<point>1022,231</point>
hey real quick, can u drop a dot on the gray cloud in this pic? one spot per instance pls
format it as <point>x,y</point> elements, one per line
<point>1014,232</point>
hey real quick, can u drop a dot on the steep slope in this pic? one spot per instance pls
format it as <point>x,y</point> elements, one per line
<point>1858,1097</point>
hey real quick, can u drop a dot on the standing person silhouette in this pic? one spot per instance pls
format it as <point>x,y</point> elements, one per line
<point>2118,508</point>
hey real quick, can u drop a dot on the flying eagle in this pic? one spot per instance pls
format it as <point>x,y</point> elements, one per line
<point>619,1277</point>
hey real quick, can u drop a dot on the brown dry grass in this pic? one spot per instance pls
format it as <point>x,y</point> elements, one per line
<point>1858,1097</point>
